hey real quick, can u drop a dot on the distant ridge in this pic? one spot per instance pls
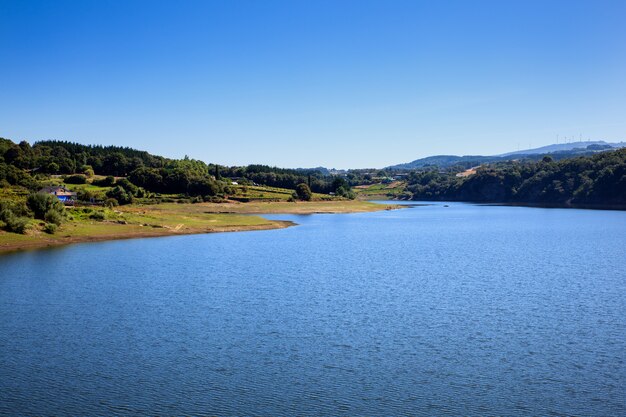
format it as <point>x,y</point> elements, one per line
<point>556,151</point>
<point>567,147</point>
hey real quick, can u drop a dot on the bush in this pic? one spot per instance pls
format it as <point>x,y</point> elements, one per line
<point>121,195</point>
<point>128,186</point>
<point>87,170</point>
<point>345,192</point>
<point>40,204</point>
<point>111,202</point>
<point>18,225</point>
<point>13,223</point>
<point>214,199</point>
<point>17,208</point>
<point>85,195</point>
<point>75,179</point>
<point>97,215</point>
<point>105,182</point>
<point>50,228</point>
<point>6,213</point>
<point>53,217</point>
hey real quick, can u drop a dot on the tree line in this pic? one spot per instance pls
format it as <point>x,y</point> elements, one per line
<point>589,180</point>
<point>20,163</point>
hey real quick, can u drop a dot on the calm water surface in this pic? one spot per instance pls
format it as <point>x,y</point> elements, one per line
<point>460,310</point>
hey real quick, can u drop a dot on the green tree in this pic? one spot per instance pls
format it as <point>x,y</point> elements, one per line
<point>304,192</point>
<point>121,195</point>
<point>87,170</point>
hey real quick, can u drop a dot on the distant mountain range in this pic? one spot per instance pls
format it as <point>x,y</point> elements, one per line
<point>556,151</point>
<point>559,147</point>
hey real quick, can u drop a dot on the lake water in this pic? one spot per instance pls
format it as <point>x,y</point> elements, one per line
<point>432,310</point>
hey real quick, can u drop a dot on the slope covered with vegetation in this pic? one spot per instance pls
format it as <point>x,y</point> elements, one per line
<point>597,180</point>
<point>100,178</point>
<point>20,162</point>
<point>556,152</point>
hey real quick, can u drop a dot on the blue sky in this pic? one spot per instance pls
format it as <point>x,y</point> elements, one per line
<point>308,83</point>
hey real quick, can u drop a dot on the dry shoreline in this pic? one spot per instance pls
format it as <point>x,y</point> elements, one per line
<point>178,219</point>
<point>43,243</point>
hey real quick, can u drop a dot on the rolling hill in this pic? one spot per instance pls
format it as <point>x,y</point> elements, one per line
<point>556,151</point>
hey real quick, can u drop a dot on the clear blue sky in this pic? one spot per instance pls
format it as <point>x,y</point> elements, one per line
<point>307,83</point>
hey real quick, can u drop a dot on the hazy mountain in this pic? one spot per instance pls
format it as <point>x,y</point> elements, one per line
<point>556,151</point>
<point>596,145</point>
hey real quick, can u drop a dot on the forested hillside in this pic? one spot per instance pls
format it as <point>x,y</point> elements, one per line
<point>21,164</point>
<point>595,180</point>
<point>598,180</point>
<point>556,152</point>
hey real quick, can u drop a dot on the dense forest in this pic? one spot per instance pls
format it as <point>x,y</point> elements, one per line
<point>21,163</point>
<point>595,180</point>
<point>598,180</point>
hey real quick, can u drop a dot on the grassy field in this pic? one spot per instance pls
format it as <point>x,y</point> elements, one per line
<point>251,193</point>
<point>300,207</point>
<point>88,224</point>
<point>380,190</point>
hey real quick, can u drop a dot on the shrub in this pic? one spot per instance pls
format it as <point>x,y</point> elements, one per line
<point>214,199</point>
<point>18,225</point>
<point>6,213</point>
<point>17,208</point>
<point>85,195</point>
<point>111,202</point>
<point>128,186</point>
<point>105,182</point>
<point>41,203</point>
<point>97,215</point>
<point>87,170</point>
<point>53,217</point>
<point>121,195</point>
<point>13,223</point>
<point>50,228</point>
<point>75,179</point>
<point>345,192</point>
